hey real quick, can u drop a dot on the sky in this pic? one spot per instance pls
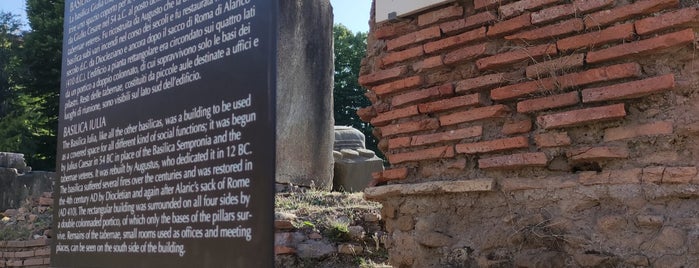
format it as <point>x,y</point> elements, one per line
<point>352,13</point>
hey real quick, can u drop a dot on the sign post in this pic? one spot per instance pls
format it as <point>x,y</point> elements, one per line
<point>166,140</point>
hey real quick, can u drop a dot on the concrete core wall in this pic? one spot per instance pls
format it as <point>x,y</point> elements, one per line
<point>536,132</point>
<point>304,93</point>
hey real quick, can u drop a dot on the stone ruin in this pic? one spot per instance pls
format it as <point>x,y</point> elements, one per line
<point>18,183</point>
<point>538,133</point>
<point>354,164</point>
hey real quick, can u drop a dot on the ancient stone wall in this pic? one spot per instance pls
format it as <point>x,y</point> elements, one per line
<point>18,182</point>
<point>538,131</point>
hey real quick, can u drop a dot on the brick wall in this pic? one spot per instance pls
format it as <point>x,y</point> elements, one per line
<point>493,88</point>
<point>32,253</point>
<point>538,133</point>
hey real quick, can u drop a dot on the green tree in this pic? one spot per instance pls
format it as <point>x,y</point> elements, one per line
<point>42,76</point>
<point>350,48</point>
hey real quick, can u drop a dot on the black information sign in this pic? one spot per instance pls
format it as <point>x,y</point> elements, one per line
<point>167,134</point>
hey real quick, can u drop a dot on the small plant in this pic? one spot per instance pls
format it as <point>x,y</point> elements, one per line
<point>338,231</point>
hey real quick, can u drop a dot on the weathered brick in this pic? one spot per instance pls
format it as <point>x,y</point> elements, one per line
<point>683,175</point>
<point>413,38</point>
<point>515,56</point>
<point>42,252</point>
<point>509,26</point>
<point>493,145</point>
<point>428,63</point>
<point>481,82</point>
<point>383,119</point>
<point>642,47</point>
<point>629,90</point>
<point>396,86</point>
<point>281,250</point>
<point>24,254</point>
<point>582,116</point>
<point>474,115</point>
<point>552,67</point>
<point>622,32</point>
<point>408,127</point>
<point>450,42</point>
<point>644,7</point>
<point>401,142</point>
<point>403,55</point>
<point>452,135</point>
<point>390,174</point>
<point>422,95</point>
<point>627,176</point>
<point>652,175</point>
<point>452,103</point>
<point>481,4</point>
<point>516,8</point>
<point>33,261</point>
<point>597,153</point>
<point>393,29</point>
<point>514,161</point>
<point>550,102</point>
<point>420,155</point>
<point>470,22</point>
<point>383,75</point>
<point>552,139</point>
<point>14,263</point>
<point>561,11</point>
<point>634,131</point>
<point>680,18</point>
<point>366,113</point>
<point>440,15</point>
<point>517,127</point>
<point>603,74</point>
<point>549,32</point>
<point>469,53</point>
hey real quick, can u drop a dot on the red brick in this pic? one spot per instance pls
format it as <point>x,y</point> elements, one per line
<point>470,22</point>
<point>408,127</point>
<point>413,38</point>
<point>390,175</point>
<point>629,90</point>
<point>371,95</point>
<point>517,127</point>
<point>509,26</point>
<point>450,42</point>
<point>628,176</point>
<point>385,118</point>
<point>515,56</point>
<point>552,67</point>
<point>452,103</point>
<point>481,4</point>
<point>283,224</point>
<point>381,107</point>
<point>550,102</point>
<point>629,132</point>
<point>644,7</point>
<point>280,250</point>
<point>439,15</point>
<point>396,86</point>
<point>552,139</point>
<point>420,155</point>
<point>550,31</point>
<point>422,95</point>
<point>603,74</point>
<point>366,113</point>
<point>480,82</point>
<point>516,8</point>
<point>683,175</point>
<point>401,142</point>
<point>399,56</point>
<point>453,135</point>
<point>577,7</point>
<point>393,29</point>
<point>683,17</point>
<point>583,116</point>
<point>597,37</point>
<point>642,47</point>
<point>652,174</point>
<point>493,145</point>
<point>514,161</point>
<point>382,76</point>
<point>428,63</point>
<point>597,154</point>
<point>474,115</point>
<point>469,53</point>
